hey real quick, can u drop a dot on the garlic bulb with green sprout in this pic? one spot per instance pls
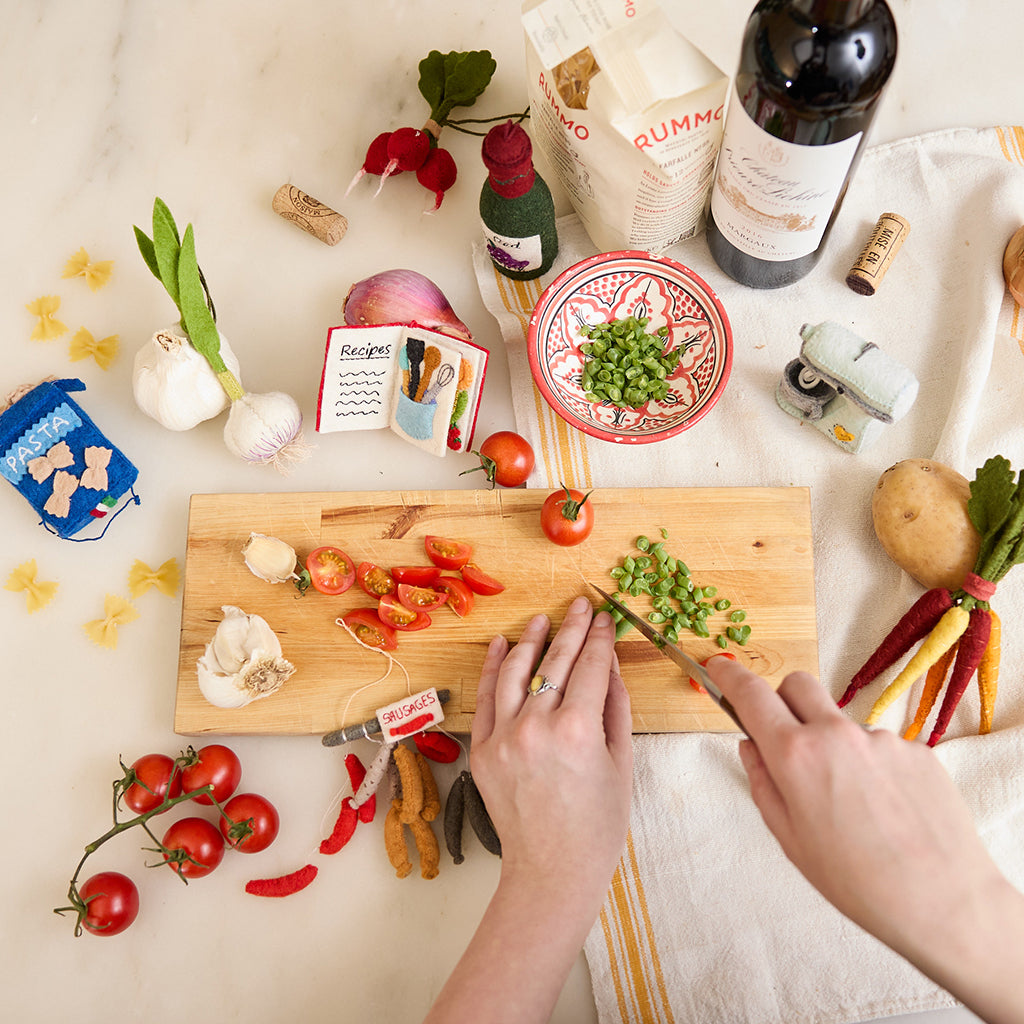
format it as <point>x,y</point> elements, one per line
<point>261,429</point>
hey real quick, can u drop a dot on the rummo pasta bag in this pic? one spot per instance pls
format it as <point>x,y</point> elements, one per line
<point>629,116</point>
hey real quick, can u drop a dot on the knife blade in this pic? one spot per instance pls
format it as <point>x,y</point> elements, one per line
<point>674,654</point>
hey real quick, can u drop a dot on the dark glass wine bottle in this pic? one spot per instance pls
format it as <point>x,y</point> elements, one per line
<point>810,78</point>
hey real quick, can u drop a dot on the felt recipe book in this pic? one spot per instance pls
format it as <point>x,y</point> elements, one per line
<point>423,385</point>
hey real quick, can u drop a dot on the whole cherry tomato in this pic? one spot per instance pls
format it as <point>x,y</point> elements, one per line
<point>506,458</point>
<point>258,816</point>
<point>566,517</point>
<point>202,843</point>
<point>217,766</point>
<point>112,903</point>
<point>330,570</point>
<point>155,780</point>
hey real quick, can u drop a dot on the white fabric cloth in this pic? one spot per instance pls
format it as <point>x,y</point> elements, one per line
<point>707,921</point>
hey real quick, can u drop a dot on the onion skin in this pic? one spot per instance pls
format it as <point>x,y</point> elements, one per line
<point>402,297</point>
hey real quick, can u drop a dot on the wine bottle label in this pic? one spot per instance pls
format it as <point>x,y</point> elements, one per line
<point>516,254</point>
<point>773,199</point>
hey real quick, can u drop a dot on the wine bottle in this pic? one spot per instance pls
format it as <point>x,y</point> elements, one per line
<point>810,78</point>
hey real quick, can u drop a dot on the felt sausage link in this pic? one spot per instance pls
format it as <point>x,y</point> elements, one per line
<point>476,811</point>
<point>412,784</point>
<point>394,840</point>
<point>426,847</point>
<point>454,809</point>
<point>431,797</point>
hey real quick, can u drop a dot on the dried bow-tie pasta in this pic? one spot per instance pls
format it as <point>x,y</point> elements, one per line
<point>96,275</point>
<point>47,326</point>
<point>83,345</point>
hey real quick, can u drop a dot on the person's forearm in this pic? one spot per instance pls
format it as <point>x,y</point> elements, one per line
<point>519,958</point>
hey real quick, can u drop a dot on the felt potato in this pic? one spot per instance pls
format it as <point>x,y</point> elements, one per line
<point>919,510</point>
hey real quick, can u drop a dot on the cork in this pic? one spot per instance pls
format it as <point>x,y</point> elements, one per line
<point>310,214</point>
<point>877,255</point>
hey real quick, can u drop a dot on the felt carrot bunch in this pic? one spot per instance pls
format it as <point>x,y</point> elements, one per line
<point>957,628</point>
<point>447,81</point>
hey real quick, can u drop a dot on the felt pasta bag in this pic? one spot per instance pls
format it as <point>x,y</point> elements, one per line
<point>61,462</point>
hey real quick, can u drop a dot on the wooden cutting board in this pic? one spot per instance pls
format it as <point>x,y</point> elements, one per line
<point>753,544</point>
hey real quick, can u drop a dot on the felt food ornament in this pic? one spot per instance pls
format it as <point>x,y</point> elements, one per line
<point>61,462</point>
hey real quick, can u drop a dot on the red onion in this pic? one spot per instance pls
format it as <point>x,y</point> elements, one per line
<point>402,297</point>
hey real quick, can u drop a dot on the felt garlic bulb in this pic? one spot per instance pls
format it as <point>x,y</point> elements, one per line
<point>174,384</point>
<point>266,430</point>
<point>243,661</point>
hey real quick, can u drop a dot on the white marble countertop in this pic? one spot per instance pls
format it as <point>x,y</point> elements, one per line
<point>212,106</point>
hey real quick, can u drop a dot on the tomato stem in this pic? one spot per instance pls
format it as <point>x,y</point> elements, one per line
<point>570,508</point>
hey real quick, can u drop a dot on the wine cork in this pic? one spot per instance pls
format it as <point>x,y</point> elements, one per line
<point>876,257</point>
<point>310,214</point>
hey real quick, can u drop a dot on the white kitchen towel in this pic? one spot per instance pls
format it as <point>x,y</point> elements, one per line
<point>706,921</point>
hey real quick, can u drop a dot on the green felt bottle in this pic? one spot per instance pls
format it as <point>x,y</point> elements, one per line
<point>516,208</point>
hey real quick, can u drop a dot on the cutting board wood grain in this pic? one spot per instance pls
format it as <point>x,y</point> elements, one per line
<point>753,544</point>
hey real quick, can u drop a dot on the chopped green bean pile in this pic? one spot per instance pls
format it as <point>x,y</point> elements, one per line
<point>626,366</point>
<point>678,602</point>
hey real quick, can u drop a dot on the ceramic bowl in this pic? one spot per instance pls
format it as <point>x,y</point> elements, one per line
<point>612,286</point>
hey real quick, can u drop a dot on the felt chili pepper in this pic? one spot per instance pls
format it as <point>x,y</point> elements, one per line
<point>916,623</point>
<point>932,684</point>
<point>454,809</point>
<point>437,746</point>
<point>476,811</point>
<point>972,647</point>
<point>394,840</point>
<point>431,798</point>
<point>988,675</point>
<point>344,827</point>
<point>285,885</point>
<point>412,783</point>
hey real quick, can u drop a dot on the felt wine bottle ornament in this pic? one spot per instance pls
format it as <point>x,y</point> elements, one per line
<point>516,208</point>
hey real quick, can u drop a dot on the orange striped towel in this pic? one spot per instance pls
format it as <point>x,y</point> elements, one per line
<point>706,920</point>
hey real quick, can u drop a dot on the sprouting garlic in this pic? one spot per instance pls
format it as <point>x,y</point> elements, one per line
<point>174,384</point>
<point>270,558</point>
<point>243,661</point>
<point>267,430</point>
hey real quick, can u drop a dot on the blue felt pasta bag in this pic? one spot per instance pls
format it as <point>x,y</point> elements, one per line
<point>65,467</point>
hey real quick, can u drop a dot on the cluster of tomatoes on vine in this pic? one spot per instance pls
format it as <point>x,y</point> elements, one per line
<point>108,902</point>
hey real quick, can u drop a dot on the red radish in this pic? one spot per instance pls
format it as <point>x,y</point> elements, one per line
<point>408,148</point>
<point>376,159</point>
<point>437,174</point>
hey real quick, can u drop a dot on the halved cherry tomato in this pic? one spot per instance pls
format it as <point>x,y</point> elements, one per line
<point>480,582</point>
<point>448,554</point>
<point>374,580</point>
<point>421,599</point>
<point>460,597</point>
<point>397,616</point>
<point>367,626</point>
<point>417,575</point>
<point>330,570</point>
<point>699,687</point>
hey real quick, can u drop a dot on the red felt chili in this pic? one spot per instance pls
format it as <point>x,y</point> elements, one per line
<point>923,614</point>
<point>437,746</point>
<point>344,827</point>
<point>968,656</point>
<point>285,885</point>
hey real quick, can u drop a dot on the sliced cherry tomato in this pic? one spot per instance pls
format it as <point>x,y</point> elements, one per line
<point>367,626</point>
<point>417,575</point>
<point>566,517</point>
<point>374,580</point>
<point>330,570</point>
<point>448,554</point>
<point>699,687</point>
<point>394,614</point>
<point>203,845</point>
<point>112,903</point>
<point>480,582</point>
<point>506,458</point>
<point>460,597</point>
<point>155,781</point>
<point>217,766</point>
<point>421,599</point>
<point>251,823</point>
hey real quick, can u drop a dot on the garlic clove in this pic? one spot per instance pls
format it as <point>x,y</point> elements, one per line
<point>267,430</point>
<point>269,558</point>
<point>174,384</point>
<point>402,297</point>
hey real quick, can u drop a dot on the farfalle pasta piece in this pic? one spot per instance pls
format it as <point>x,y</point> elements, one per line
<point>83,345</point>
<point>165,578</point>
<point>96,275</point>
<point>38,593</point>
<point>116,612</point>
<point>94,476</point>
<point>47,326</point>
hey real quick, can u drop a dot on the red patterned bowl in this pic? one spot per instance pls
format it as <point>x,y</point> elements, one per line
<point>612,286</point>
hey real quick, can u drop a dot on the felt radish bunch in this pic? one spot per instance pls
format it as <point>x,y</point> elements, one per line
<point>447,80</point>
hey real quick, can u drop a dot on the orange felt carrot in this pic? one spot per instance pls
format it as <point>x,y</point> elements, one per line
<point>988,675</point>
<point>933,683</point>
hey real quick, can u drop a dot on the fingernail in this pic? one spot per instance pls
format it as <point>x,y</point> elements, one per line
<point>540,621</point>
<point>602,618</point>
<point>580,605</point>
<point>497,645</point>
